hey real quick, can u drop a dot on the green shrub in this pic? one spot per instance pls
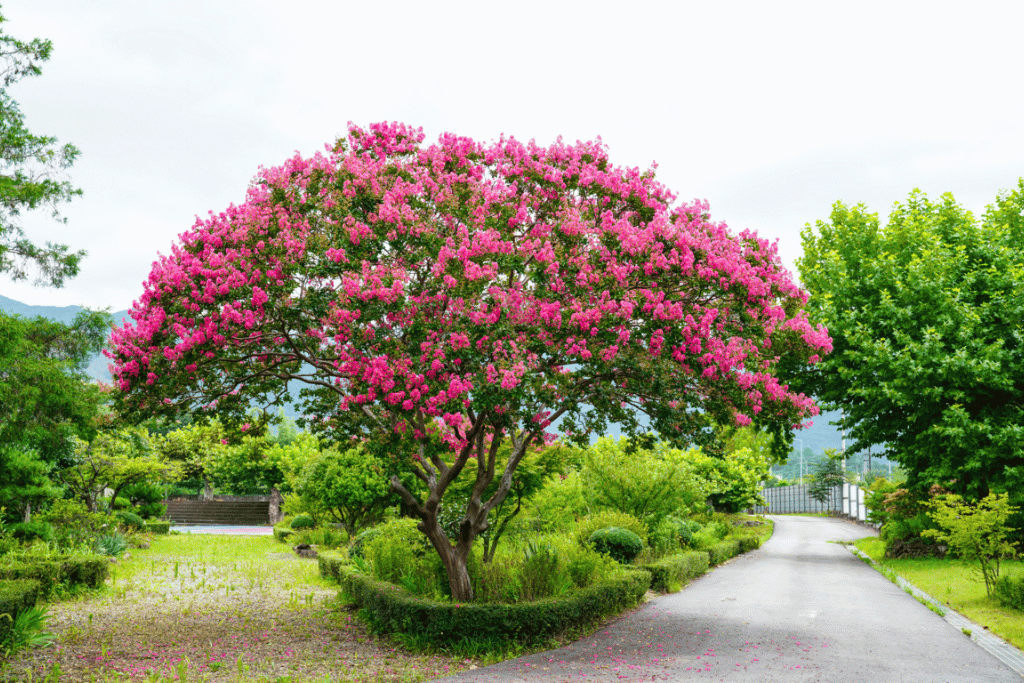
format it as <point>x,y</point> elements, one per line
<point>324,538</point>
<point>148,499</point>
<point>586,566</point>
<point>53,570</point>
<point>1009,591</point>
<point>112,544</point>
<point>302,521</point>
<point>602,520</point>
<point>675,571</point>
<point>723,550</point>
<point>389,609</point>
<point>16,596</point>
<point>359,542</point>
<point>31,531</point>
<point>544,573</point>
<point>665,537</point>
<point>621,544</point>
<point>130,521</point>
<point>158,526</point>
<point>74,527</point>
<point>283,531</point>
<point>397,549</point>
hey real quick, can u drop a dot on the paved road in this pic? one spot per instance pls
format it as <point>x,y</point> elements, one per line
<point>797,609</point>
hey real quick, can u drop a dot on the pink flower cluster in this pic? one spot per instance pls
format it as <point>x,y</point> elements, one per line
<point>465,279</point>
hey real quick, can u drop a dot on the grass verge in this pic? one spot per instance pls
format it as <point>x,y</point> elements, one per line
<point>957,584</point>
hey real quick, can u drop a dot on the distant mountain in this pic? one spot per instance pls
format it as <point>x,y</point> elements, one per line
<point>818,437</point>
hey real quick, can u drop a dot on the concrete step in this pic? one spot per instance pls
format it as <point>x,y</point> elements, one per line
<point>217,512</point>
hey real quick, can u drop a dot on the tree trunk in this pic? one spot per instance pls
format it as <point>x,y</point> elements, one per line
<point>454,560</point>
<point>27,516</point>
<point>275,506</point>
<point>207,490</point>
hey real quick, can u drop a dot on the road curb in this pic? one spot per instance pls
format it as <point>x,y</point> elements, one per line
<point>991,643</point>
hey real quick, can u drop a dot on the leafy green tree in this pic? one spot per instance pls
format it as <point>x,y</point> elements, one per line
<point>649,484</point>
<point>114,460</point>
<point>26,480</point>
<point>975,531</point>
<point>349,486</point>
<point>828,474</point>
<point>32,174</point>
<point>45,397</point>
<point>925,316</point>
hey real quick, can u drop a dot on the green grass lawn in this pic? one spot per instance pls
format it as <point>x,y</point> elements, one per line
<point>959,585</point>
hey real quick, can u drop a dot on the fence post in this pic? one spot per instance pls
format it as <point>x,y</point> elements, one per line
<point>862,511</point>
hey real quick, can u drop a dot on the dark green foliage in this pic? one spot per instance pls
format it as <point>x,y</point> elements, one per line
<point>827,474</point>
<point>389,609</point>
<point>130,521</point>
<point>34,167</point>
<point>16,596</point>
<point>303,521</point>
<point>30,531</point>
<point>1009,591</point>
<point>602,520</point>
<point>622,544</point>
<point>677,570</point>
<point>158,526</point>
<point>73,526</point>
<point>147,498</point>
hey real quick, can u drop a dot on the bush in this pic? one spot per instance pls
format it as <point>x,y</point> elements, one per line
<point>323,538</point>
<point>283,531</point>
<point>672,573</point>
<point>1009,591</point>
<point>724,550</point>
<point>602,520</point>
<point>389,609</point>
<point>16,596</point>
<point>130,521</point>
<point>31,531</point>
<point>586,566</point>
<point>359,542</point>
<point>51,570</point>
<point>621,544</point>
<point>544,573</point>
<point>111,544</point>
<point>302,521</point>
<point>396,550</point>
<point>74,527</point>
<point>158,526</point>
<point>147,497</point>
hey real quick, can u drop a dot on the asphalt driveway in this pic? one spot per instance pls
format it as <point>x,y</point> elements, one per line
<point>798,609</point>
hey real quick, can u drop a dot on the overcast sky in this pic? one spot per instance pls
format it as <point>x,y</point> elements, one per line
<point>771,111</point>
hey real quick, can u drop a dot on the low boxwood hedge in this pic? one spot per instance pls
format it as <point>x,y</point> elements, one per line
<point>390,609</point>
<point>88,570</point>
<point>282,531</point>
<point>677,570</point>
<point>158,526</point>
<point>16,595</point>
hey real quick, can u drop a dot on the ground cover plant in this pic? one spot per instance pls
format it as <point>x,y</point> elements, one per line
<point>957,584</point>
<point>216,608</point>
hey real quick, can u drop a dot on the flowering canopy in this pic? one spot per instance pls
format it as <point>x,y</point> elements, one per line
<point>476,291</point>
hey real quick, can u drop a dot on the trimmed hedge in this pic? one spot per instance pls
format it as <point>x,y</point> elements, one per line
<point>282,531</point>
<point>723,550</point>
<point>88,570</point>
<point>158,526</point>
<point>16,596</point>
<point>677,569</point>
<point>390,609</point>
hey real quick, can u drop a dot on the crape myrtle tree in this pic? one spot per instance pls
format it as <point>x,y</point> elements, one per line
<point>483,290</point>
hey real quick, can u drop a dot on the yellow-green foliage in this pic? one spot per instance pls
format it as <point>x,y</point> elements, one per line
<point>975,531</point>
